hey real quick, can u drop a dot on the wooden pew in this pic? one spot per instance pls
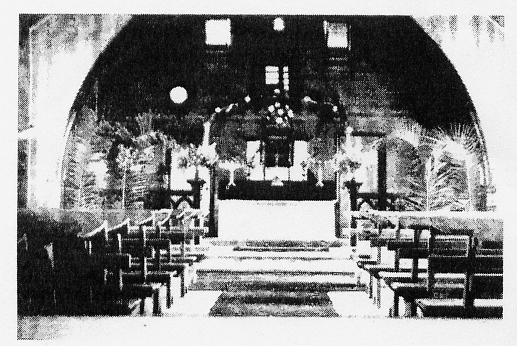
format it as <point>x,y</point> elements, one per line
<point>415,286</point>
<point>152,255</point>
<point>108,292</point>
<point>412,250</point>
<point>482,291</point>
<point>179,226</point>
<point>155,235</point>
<point>36,279</point>
<point>188,223</point>
<point>184,226</point>
<point>462,223</point>
<point>446,280</point>
<point>139,272</point>
<point>174,226</point>
<point>376,241</point>
<point>147,260</point>
<point>390,245</point>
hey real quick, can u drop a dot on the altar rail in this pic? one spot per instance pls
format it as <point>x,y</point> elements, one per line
<point>263,190</point>
<point>480,224</point>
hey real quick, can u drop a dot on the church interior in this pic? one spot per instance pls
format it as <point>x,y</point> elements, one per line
<point>319,166</point>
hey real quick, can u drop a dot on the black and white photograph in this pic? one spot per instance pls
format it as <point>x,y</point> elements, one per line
<point>186,173</point>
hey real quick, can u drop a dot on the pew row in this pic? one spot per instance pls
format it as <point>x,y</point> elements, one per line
<point>447,278</point>
<point>150,258</point>
<point>400,284</point>
<point>109,293</point>
<point>154,247</point>
<point>482,295</point>
<point>414,281</point>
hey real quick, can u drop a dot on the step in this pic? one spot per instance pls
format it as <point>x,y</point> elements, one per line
<point>273,281</point>
<point>284,265</point>
<point>337,254</point>
<point>224,268</point>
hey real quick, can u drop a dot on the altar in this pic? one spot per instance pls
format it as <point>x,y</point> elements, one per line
<point>276,220</point>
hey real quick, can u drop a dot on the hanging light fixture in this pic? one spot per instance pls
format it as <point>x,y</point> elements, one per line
<point>178,95</point>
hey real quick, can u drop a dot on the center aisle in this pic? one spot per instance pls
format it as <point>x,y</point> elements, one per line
<point>275,283</point>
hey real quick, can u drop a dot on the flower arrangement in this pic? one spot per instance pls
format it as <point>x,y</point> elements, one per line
<point>348,157</point>
<point>279,115</point>
<point>346,161</point>
<point>205,156</point>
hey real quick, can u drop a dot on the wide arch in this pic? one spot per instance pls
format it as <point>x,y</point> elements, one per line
<point>61,51</point>
<point>48,73</point>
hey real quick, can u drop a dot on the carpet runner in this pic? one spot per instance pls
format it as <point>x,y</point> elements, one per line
<point>273,304</point>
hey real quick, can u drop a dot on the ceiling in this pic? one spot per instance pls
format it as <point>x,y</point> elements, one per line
<point>153,53</point>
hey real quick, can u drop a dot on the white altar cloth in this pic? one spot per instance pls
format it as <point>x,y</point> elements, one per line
<point>273,220</point>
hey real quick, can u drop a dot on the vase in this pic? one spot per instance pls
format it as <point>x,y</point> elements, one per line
<point>231,166</point>
<point>320,175</point>
<point>232,177</point>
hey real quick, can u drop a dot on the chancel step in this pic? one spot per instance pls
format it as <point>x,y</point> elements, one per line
<point>227,269</point>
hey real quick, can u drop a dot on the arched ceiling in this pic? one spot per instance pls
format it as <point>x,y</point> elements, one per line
<point>152,54</point>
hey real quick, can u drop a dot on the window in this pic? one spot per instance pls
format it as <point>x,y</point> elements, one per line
<point>272,75</point>
<point>278,77</point>
<point>336,34</point>
<point>218,32</point>
<point>285,78</point>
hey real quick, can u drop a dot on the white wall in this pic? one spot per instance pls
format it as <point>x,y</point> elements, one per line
<point>477,49</point>
<point>62,51</point>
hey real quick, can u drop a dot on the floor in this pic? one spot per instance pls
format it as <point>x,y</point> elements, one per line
<point>188,322</point>
<point>190,311</point>
<point>346,304</point>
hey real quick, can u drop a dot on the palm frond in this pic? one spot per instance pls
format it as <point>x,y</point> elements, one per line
<point>145,122</point>
<point>411,132</point>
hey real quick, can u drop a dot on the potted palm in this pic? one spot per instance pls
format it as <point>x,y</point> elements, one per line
<point>446,173</point>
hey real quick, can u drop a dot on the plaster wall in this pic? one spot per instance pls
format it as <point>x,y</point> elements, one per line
<point>62,49</point>
<point>475,46</point>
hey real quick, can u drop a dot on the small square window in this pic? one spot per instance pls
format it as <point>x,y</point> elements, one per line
<point>272,76</point>
<point>218,32</point>
<point>337,34</point>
